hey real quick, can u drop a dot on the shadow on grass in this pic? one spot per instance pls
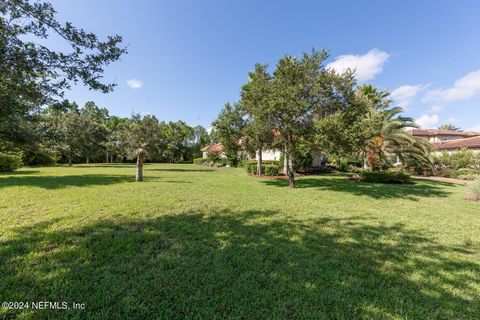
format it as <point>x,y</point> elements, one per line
<point>19,172</point>
<point>375,190</point>
<point>181,170</point>
<point>229,265</point>
<point>56,182</point>
<point>107,165</point>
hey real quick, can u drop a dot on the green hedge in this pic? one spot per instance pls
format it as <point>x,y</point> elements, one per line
<point>199,161</point>
<point>385,176</point>
<point>249,164</point>
<point>267,169</point>
<point>9,162</point>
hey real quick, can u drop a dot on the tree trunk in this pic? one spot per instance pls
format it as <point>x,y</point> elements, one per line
<point>259,162</point>
<point>69,161</point>
<point>88,160</point>
<point>139,174</point>
<point>106,158</point>
<point>291,176</point>
<point>285,162</point>
<point>373,160</point>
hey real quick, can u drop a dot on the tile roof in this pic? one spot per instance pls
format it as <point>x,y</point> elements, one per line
<point>470,143</point>
<point>438,132</point>
<point>216,147</point>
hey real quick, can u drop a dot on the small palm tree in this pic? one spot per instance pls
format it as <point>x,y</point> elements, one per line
<point>449,127</point>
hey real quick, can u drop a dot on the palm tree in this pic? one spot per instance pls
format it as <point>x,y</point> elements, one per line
<point>449,127</point>
<point>390,137</point>
<point>393,139</point>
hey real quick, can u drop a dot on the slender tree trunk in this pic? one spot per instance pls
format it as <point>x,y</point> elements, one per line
<point>291,176</point>
<point>285,162</point>
<point>139,174</point>
<point>106,158</point>
<point>69,160</point>
<point>259,162</point>
<point>88,160</point>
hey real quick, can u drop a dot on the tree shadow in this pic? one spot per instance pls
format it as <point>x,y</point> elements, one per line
<point>412,191</point>
<point>250,265</point>
<point>57,182</point>
<point>19,172</point>
<point>107,165</point>
<point>180,170</point>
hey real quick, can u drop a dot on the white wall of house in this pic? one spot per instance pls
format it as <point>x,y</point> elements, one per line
<point>270,155</point>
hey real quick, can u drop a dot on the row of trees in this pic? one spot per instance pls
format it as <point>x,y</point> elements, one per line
<point>66,133</point>
<point>304,108</point>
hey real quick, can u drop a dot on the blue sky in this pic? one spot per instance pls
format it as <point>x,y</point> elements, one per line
<point>187,58</point>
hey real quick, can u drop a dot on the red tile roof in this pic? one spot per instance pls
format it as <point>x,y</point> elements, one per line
<point>438,132</point>
<point>470,143</point>
<point>216,147</point>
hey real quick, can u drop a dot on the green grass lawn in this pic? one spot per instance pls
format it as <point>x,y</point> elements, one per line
<point>201,243</point>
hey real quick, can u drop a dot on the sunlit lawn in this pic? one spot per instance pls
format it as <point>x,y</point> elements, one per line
<point>201,243</point>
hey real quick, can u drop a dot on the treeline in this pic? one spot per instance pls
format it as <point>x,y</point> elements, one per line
<point>66,133</point>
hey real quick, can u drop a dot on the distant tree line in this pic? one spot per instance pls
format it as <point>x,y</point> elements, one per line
<point>65,133</point>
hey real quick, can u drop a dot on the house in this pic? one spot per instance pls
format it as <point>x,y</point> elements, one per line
<point>215,147</point>
<point>451,141</point>
<point>218,148</point>
<point>438,135</point>
<point>472,143</point>
<point>318,160</point>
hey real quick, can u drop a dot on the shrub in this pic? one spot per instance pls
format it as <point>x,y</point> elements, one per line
<point>385,176</point>
<point>463,158</point>
<point>267,169</point>
<point>41,157</point>
<point>213,157</point>
<point>474,191</point>
<point>9,162</point>
<point>469,176</point>
<point>464,173</point>
<point>271,170</point>
<point>199,161</point>
<point>249,164</point>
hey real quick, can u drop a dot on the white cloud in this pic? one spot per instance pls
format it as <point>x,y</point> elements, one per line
<point>427,121</point>
<point>366,66</point>
<point>134,83</point>
<point>405,95</point>
<point>463,89</point>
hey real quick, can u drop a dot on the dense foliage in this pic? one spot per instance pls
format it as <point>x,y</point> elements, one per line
<point>9,162</point>
<point>64,132</point>
<point>33,74</point>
